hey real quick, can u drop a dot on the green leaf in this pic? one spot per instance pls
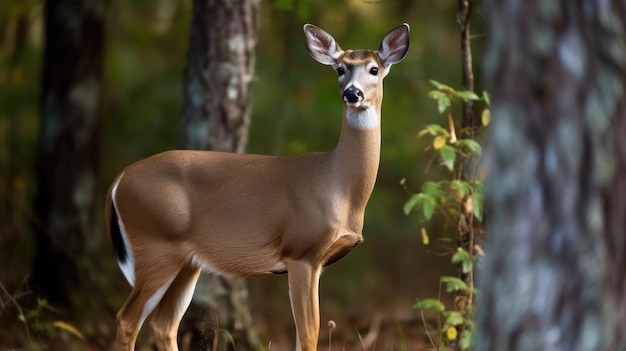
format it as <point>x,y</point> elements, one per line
<point>471,145</point>
<point>478,205</point>
<point>433,129</point>
<point>466,95</point>
<point>463,258</point>
<point>448,156</point>
<point>454,284</point>
<point>425,201</point>
<point>443,104</point>
<point>432,189</point>
<point>442,87</point>
<point>462,187</point>
<point>410,203</point>
<point>43,304</point>
<point>436,94</point>
<point>478,186</point>
<point>487,98</point>
<point>466,340</point>
<point>443,100</point>
<point>454,318</point>
<point>428,207</point>
<point>426,304</point>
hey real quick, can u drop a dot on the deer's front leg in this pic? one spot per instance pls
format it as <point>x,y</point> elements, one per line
<point>304,295</point>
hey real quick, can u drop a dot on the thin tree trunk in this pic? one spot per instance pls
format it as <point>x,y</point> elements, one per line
<point>216,115</point>
<point>467,227</point>
<point>556,71</point>
<point>68,151</point>
<point>463,16</point>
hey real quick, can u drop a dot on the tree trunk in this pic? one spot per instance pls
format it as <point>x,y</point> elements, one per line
<point>216,115</point>
<point>464,13</point>
<point>556,71</point>
<point>68,151</point>
<point>218,76</point>
<point>468,229</point>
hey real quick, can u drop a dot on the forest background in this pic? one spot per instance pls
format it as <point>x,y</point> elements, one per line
<point>296,108</point>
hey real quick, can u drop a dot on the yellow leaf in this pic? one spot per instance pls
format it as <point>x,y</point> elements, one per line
<point>439,141</point>
<point>486,117</point>
<point>451,333</point>
<point>425,238</point>
<point>68,328</point>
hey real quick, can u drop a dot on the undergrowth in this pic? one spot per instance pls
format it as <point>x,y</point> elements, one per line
<point>458,201</point>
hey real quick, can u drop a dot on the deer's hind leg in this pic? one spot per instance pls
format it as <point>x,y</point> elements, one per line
<point>169,312</point>
<point>147,292</point>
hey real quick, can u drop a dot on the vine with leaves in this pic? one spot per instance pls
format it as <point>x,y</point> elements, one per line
<point>459,200</point>
<point>453,199</point>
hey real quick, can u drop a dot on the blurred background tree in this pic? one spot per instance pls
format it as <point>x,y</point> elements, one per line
<point>296,108</point>
<point>217,104</point>
<point>554,275</point>
<point>68,152</point>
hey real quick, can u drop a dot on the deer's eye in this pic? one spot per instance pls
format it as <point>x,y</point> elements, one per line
<point>341,71</point>
<point>374,71</point>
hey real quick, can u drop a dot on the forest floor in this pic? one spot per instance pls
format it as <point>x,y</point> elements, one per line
<point>381,334</point>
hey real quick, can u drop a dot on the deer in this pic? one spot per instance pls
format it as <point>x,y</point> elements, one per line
<point>178,213</point>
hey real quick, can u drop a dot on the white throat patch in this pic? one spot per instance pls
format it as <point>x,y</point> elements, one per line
<point>363,118</point>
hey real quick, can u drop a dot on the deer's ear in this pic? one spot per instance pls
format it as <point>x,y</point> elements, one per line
<point>321,45</point>
<point>395,45</point>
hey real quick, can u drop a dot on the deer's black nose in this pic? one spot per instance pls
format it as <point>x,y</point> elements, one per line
<point>352,94</point>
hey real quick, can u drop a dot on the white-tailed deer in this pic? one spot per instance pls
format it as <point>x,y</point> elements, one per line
<point>179,212</point>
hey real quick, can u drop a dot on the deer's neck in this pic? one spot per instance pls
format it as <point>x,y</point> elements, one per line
<point>357,154</point>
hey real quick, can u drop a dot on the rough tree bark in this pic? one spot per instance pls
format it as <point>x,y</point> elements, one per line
<point>68,151</point>
<point>216,115</point>
<point>556,71</point>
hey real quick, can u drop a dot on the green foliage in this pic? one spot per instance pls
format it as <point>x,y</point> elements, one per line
<point>443,100</point>
<point>462,188</point>
<point>477,205</point>
<point>435,130</point>
<point>454,284</point>
<point>445,95</point>
<point>470,146</point>
<point>448,156</point>
<point>35,313</point>
<point>450,198</point>
<point>486,98</point>
<point>434,304</point>
<point>426,202</point>
<point>447,195</point>
<point>450,321</point>
<point>463,258</point>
